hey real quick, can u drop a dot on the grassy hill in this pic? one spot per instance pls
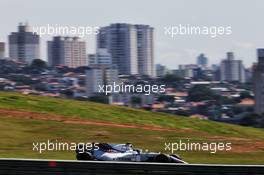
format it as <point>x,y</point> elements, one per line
<point>28,119</point>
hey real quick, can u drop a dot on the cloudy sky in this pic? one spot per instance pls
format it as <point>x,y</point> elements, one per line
<point>245,18</point>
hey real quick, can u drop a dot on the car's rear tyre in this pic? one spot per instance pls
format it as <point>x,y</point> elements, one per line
<point>162,158</point>
<point>176,156</point>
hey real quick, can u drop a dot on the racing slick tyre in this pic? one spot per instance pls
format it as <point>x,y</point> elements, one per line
<point>176,156</point>
<point>162,158</point>
<point>84,156</point>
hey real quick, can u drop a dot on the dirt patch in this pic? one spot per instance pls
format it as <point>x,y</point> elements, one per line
<point>248,147</point>
<point>73,120</point>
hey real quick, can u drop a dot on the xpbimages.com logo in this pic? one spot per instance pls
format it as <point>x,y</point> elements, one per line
<point>67,30</point>
<point>212,147</point>
<point>195,30</point>
<point>56,145</point>
<point>128,88</point>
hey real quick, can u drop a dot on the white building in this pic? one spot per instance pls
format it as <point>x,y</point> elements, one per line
<point>92,59</point>
<point>98,76</point>
<point>161,70</point>
<point>145,49</point>
<point>67,51</point>
<point>126,99</point>
<point>102,56</point>
<point>232,70</point>
<point>130,46</point>
<point>24,44</point>
<point>121,42</point>
<point>258,80</point>
<point>2,50</point>
<point>187,70</point>
<point>202,60</point>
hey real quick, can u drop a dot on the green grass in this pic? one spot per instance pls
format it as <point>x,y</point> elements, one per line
<point>17,135</point>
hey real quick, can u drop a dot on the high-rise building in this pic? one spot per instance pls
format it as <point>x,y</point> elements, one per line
<point>145,49</point>
<point>231,69</point>
<point>2,50</point>
<point>102,56</point>
<point>67,51</point>
<point>248,75</point>
<point>202,60</point>
<point>130,46</point>
<point>92,59</point>
<point>121,42</point>
<point>188,70</point>
<point>24,44</point>
<point>258,81</point>
<point>98,76</point>
<point>161,70</point>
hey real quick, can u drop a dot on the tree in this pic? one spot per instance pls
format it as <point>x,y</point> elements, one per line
<point>254,120</point>
<point>200,93</point>
<point>245,94</point>
<point>99,99</point>
<point>68,92</point>
<point>166,98</point>
<point>22,79</point>
<point>170,78</point>
<point>135,100</point>
<point>203,110</point>
<point>38,64</point>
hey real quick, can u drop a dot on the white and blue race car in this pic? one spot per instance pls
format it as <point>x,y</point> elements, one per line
<point>123,152</point>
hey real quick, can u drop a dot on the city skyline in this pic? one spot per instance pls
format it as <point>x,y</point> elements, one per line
<point>102,40</point>
<point>171,52</point>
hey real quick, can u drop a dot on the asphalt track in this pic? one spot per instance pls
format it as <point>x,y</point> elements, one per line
<point>54,167</point>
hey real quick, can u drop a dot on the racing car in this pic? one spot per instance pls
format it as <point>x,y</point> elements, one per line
<point>123,152</point>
